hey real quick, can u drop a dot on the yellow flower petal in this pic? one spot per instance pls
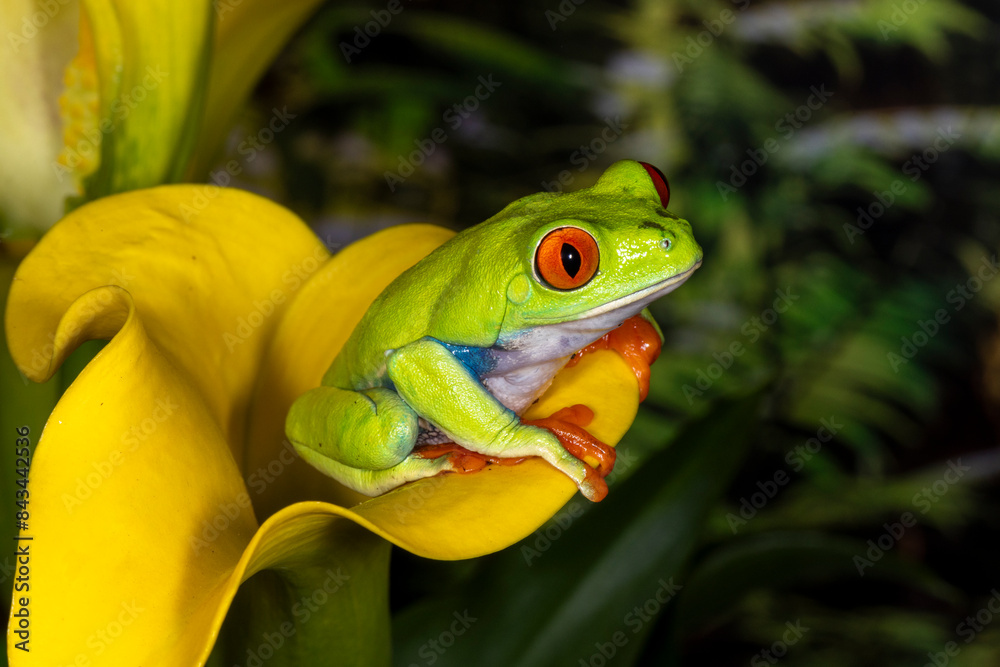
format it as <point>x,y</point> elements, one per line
<point>131,469</point>
<point>209,288</point>
<point>144,528</point>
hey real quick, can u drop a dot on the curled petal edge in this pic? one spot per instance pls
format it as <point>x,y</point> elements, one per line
<point>449,517</point>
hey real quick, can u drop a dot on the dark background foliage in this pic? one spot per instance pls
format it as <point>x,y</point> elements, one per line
<point>812,479</point>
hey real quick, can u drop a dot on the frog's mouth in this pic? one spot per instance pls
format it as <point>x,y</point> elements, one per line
<point>632,303</point>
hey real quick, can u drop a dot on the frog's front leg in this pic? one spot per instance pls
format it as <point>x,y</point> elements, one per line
<point>446,393</point>
<point>363,439</point>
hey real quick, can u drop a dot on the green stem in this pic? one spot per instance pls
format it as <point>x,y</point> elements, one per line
<point>326,605</point>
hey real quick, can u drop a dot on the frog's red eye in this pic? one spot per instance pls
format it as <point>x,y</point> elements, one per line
<point>567,258</point>
<point>659,182</point>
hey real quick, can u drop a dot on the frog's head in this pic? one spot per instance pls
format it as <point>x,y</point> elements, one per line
<point>599,255</point>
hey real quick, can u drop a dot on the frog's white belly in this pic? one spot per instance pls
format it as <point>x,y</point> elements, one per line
<point>526,364</point>
<point>518,388</point>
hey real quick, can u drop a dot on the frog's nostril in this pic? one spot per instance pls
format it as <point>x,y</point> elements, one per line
<point>667,244</point>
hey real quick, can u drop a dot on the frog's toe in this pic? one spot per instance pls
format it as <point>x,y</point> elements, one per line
<point>586,452</point>
<point>567,425</point>
<point>593,488</point>
<point>461,459</point>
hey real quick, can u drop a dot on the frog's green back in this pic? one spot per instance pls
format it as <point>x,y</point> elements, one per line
<point>460,294</point>
<point>456,294</point>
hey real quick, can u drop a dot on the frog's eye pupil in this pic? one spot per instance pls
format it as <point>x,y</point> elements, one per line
<point>571,260</point>
<point>567,258</point>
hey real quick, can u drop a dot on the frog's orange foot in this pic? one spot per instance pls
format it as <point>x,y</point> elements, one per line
<point>637,341</point>
<point>463,460</point>
<point>568,426</point>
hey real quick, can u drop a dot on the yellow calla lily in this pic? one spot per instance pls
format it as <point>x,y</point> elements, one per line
<point>162,481</point>
<point>105,96</point>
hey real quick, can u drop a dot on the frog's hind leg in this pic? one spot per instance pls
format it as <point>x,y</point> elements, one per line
<point>375,482</point>
<point>372,429</point>
<point>363,439</point>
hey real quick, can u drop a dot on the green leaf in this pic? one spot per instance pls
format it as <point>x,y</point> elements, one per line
<point>482,46</point>
<point>327,605</point>
<point>248,36</point>
<point>781,561</point>
<point>606,574</point>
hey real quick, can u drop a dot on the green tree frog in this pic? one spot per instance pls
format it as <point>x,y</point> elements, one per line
<point>460,344</point>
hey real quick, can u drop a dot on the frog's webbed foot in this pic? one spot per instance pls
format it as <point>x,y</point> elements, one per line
<point>567,425</point>
<point>638,341</point>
